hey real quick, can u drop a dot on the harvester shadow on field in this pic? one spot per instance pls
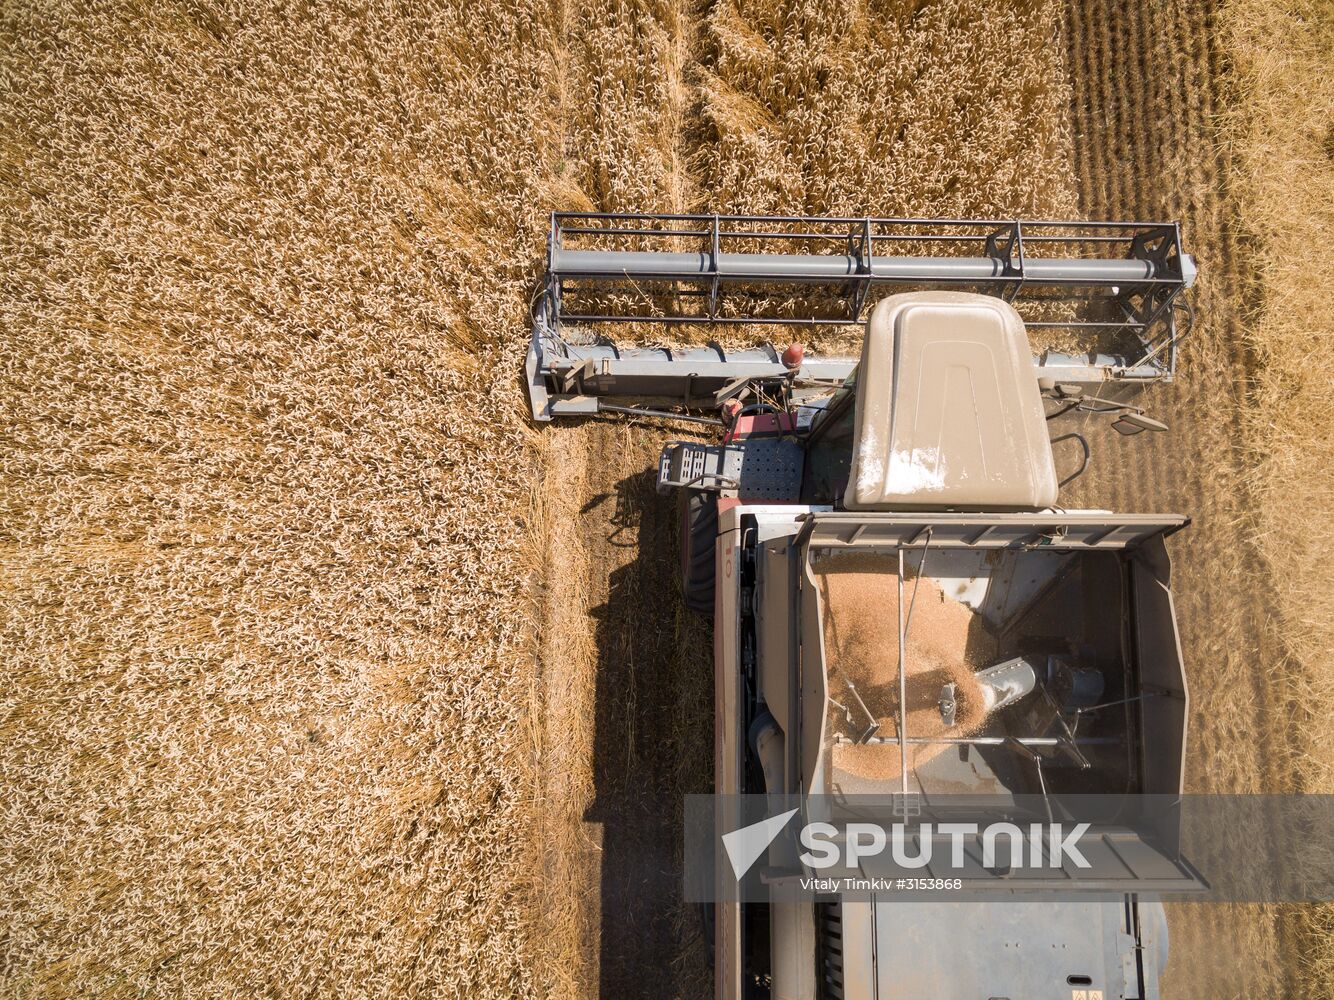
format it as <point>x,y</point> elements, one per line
<point>652,746</point>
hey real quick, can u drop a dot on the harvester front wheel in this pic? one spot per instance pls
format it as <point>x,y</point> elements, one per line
<point>699,532</point>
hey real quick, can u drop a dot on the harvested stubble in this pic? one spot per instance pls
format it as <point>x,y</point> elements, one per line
<point>1282,129</point>
<point>945,643</point>
<point>1249,449</point>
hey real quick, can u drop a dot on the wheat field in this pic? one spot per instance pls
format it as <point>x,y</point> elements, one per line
<point>329,674</point>
<point>267,492</point>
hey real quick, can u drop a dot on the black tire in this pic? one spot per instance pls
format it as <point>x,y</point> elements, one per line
<point>699,533</point>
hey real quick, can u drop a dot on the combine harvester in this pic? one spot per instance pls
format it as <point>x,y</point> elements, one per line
<point>847,494</point>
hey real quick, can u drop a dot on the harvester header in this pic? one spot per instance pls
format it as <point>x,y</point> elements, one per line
<point>1117,282</point>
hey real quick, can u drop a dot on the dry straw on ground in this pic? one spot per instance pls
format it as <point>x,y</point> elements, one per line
<point>1283,132</point>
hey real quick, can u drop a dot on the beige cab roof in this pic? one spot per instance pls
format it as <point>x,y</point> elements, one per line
<point>948,414</point>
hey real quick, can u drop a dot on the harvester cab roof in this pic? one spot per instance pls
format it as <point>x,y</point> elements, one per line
<point>947,411</point>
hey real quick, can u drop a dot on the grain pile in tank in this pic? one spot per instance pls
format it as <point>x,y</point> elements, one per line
<point>946,643</point>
